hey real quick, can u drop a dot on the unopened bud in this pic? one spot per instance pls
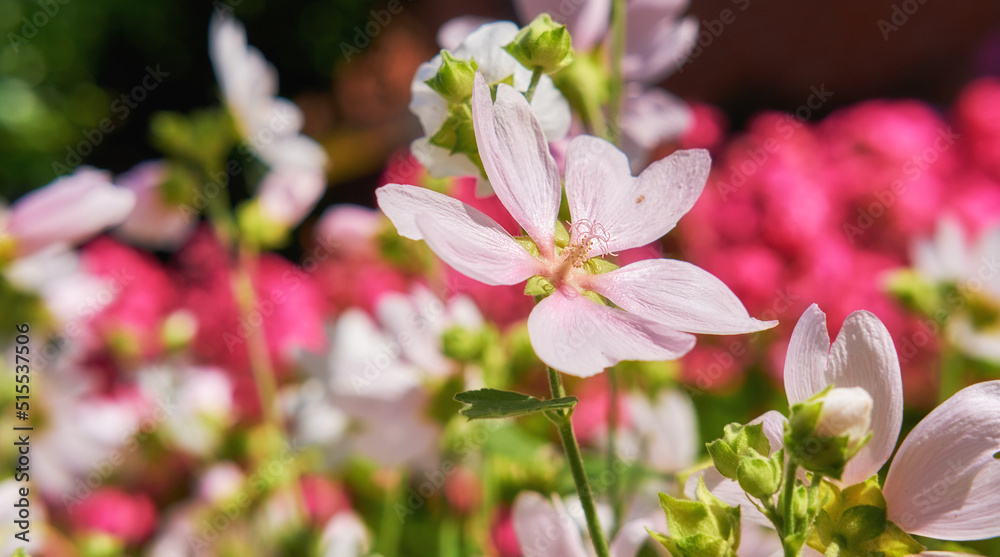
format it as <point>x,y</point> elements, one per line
<point>542,44</point>
<point>455,78</point>
<point>845,412</point>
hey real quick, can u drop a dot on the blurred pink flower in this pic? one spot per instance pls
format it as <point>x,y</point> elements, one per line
<point>67,211</point>
<point>324,498</point>
<point>144,295</point>
<point>155,222</point>
<point>569,331</point>
<point>977,114</point>
<point>130,517</point>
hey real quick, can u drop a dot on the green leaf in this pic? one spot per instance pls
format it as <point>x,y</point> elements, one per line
<point>494,403</point>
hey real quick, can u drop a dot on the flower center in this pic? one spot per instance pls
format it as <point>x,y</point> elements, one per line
<point>584,235</point>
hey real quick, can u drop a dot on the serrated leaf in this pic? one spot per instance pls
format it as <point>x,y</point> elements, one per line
<point>494,403</point>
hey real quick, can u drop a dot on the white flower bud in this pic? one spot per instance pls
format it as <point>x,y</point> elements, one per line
<point>846,411</point>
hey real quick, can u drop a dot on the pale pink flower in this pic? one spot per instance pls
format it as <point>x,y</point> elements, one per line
<point>611,210</point>
<point>68,211</point>
<point>658,38</point>
<point>155,222</point>
<point>546,528</point>
<point>942,481</point>
<point>287,194</point>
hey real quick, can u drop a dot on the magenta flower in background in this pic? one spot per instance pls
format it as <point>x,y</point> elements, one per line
<point>610,209</point>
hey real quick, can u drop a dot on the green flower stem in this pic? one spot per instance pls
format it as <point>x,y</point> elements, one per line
<point>785,502</point>
<point>615,494</point>
<point>950,380</point>
<point>579,474</point>
<point>391,528</point>
<point>617,79</point>
<point>536,76</point>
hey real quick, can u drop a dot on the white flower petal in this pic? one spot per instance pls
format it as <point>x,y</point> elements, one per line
<point>580,337</point>
<point>516,157</point>
<point>543,531</point>
<point>943,481</point>
<point>805,361</point>
<point>633,211</point>
<point>863,355</point>
<point>678,294</point>
<point>464,237</point>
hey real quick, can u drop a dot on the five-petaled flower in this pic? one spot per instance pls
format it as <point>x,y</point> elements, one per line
<point>574,329</point>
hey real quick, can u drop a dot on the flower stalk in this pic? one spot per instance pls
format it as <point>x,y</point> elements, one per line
<point>573,456</point>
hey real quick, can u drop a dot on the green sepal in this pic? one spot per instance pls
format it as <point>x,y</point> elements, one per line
<point>598,265</point>
<point>538,286</point>
<point>759,476</point>
<point>454,79</point>
<point>528,244</point>
<point>463,344</point>
<point>562,236</point>
<point>738,441</point>
<point>494,403</point>
<point>825,455</point>
<point>543,44</point>
<point>703,528</point>
<point>913,291</point>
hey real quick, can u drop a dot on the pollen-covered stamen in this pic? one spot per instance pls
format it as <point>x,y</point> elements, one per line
<point>584,235</point>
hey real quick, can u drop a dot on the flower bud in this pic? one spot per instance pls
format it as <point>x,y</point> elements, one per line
<point>845,412</point>
<point>454,80</point>
<point>825,431</point>
<point>760,477</point>
<point>542,44</point>
<point>738,441</point>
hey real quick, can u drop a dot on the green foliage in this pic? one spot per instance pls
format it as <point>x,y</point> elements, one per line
<point>703,528</point>
<point>494,403</point>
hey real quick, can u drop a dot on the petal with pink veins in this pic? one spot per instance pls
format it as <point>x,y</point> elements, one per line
<point>464,237</point>
<point>544,530</point>
<point>805,361</point>
<point>517,161</point>
<point>580,337</point>
<point>631,211</point>
<point>943,481</point>
<point>679,295</point>
<point>863,355</point>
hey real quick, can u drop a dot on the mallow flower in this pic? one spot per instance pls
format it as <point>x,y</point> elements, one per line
<point>269,125</point>
<point>939,483</point>
<point>484,46</point>
<point>572,329</point>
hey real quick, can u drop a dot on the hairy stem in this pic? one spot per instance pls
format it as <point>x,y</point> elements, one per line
<point>579,474</point>
<point>536,76</point>
<point>617,85</point>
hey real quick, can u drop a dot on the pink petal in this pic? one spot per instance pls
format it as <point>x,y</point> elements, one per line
<point>774,428</point>
<point>69,210</point>
<point>943,481</point>
<point>863,355</point>
<point>464,237</point>
<point>678,295</point>
<point>805,361</point>
<point>586,20</point>
<point>542,530</point>
<point>656,47</point>
<point>517,161</point>
<point>580,337</point>
<point>651,116</point>
<point>632,211</point>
